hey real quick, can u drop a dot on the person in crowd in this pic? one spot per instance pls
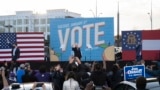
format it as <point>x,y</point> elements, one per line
<point>20,73</point>
<point>153,69</point>
<point>77,51</point>
<point>6,66</point>
<point>141,83</point>
<point>29,75</point>
<point>1,81</point>
<point>57,77</point>
<point>26,77</point>
<point>42,75</point>
<point>12,78</point>
<point>83,76</point>
<point>4,85</point>
<point>115,75</point>
<point>99,77</point>
<point>70,83</point>
<point>74,64</point>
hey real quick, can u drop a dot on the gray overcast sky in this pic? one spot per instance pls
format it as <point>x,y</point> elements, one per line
<point>133,13</point>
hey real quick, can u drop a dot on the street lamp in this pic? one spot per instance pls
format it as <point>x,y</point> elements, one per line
<point>95,14</point>
<point>100,14</point>
<point>26,22</point>
<point>150,16</point>
<point>9,26</point>
<point>92,12</point>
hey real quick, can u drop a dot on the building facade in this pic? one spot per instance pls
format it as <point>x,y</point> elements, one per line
<point>27,21</point>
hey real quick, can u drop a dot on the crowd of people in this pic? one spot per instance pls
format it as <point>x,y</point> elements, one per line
<point>75,76</point>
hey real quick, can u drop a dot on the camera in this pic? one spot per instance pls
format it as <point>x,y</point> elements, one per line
<point>39,84</point>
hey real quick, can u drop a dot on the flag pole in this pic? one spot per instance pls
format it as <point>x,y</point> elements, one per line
<point>151,14</point>
<point>118,43</point>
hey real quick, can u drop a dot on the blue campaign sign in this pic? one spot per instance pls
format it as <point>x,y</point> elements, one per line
<point>132,72</point>
<point>94,36</point>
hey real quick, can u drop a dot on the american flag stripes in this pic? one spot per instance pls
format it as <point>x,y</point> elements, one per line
<point>31,45</point>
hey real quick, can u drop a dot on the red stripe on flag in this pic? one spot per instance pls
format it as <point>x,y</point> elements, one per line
<point>151,35</point>
<point>32,56</point>
<point>32,51</point>
<point>31,46</point>
<point>30,37</point>
<point>151,55</point>
<point>5,52</point>
<point>25,56</point>
<point>30,33</point>
<point>129,55</point>
<point>31,42</point>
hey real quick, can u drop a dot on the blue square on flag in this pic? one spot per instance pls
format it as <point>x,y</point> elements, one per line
<point>4,38</point>
<point>131,39</point>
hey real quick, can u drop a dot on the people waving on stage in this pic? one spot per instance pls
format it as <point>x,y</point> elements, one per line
<point>77,51</point>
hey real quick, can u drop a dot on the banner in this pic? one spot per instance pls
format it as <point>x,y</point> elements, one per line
<point>98,33</point>
<point>132,72</point>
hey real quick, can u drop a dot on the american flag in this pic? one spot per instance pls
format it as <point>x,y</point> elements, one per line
<point>31,45</point>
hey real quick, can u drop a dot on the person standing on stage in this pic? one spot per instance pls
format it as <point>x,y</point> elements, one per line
<point>77,51</point>
<point>15,52</point>
<point>139,52</point>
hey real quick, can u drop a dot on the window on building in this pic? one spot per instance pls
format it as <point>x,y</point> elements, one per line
<point>43,29</point>
<point>2,30</point>
<point>25,29</point>
<point>36,29</point>
<point>48,21</point>
<point>2,23</point>
<point>19,29</point>
<point>43,21</point>
<point>14,29</point>
<point>26,21</point>
<point>36,21</point>
<point>19,22</point>
<point>14,22</point>
<point>48,29</point>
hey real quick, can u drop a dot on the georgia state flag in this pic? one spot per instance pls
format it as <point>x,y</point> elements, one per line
<point>130,44</point>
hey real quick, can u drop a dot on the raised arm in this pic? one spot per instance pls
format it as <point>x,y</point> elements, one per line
<point>4,80</point>
<point>104,64</point>
<point>71,59</point>
<point>93,64</point>
<point>77,59</point>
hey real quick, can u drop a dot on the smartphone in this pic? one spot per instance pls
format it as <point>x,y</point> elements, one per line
<point>39,84</point>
